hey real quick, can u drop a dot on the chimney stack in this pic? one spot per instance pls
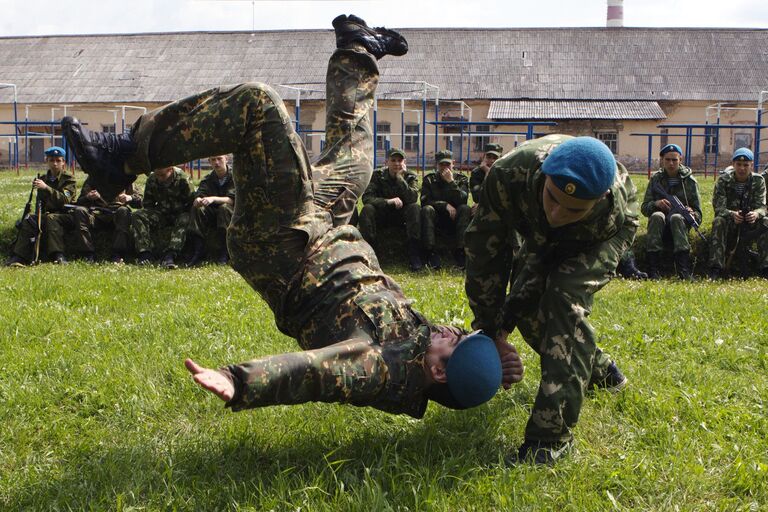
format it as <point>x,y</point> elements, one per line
<point>615,13</point>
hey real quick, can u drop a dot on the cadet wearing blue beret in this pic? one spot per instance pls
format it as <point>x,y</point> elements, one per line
<point>576,209</point>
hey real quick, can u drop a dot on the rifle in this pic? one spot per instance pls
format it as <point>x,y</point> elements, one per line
<point>679,207</point>
<point>39,223</point>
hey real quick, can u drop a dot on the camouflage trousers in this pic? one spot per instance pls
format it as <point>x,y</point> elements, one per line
<point>658,223</point>
<point>146,222</point>
<point>372,217</point>
<point>119,222</point>
<point>25,242</point>
<point>283,202</point>
<point>56,227</point>
<point>550,302</point>
<point>436,221</point>
<point>726,234</point>
<point>207,221</point>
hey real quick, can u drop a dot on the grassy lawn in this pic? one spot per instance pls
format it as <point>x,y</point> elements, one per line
<point>97,412</point>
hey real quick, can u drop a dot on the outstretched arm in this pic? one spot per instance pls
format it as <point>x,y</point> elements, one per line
<point>211,380</point>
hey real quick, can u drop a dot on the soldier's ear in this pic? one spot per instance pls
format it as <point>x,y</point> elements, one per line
<point>437,372</point>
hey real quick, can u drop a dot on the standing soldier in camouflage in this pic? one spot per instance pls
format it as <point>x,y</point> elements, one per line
<point>289,239</point>
<point>54,190</point>
<point>391,199</point>
<point>677,180</point>
<point>444,208</point>
<point>576,211</point>
<point>167,199</point>
<point>734,189</point>
<point>212,210</point>
<point>104,205</point>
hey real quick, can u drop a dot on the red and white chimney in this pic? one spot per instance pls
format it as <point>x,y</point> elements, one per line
<point>615,13</point>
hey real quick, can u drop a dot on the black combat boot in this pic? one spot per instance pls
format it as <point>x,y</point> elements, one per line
<point>414,255</point>
<point>99,154</point>
<point>715,273</point>
<point>460,258</point>
<point>89,257</point>
<point>16,261</point>
<point>539,452</point>
<point>169,261</point>
<point>223,258</point>
<point>378,41</point>
<point>683,264</point>
<point>144,258</point>
<point>57,258</point>
<point>628,270</point>
<point>198,251</point>
<point>433,259</point>
<point>653,265</point>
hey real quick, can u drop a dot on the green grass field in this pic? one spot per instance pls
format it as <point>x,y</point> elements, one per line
<point>98,413</point>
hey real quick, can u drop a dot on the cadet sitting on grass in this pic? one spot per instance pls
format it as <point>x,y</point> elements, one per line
<point>212,210</point>
<point>289,239</point>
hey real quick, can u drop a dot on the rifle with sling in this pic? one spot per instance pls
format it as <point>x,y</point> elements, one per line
<point>677,206</point>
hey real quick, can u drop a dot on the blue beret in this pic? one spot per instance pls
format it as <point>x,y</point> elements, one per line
<point>474,370</point>
<point>669,148</point>
<point>55,151</point>
<point>743,154</point>
<point>582,167</point>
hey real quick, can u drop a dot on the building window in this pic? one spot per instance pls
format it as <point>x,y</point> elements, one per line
<point>481,140</point>
<point>610,139</point>
<point>108,128</point>
<point>742,140</point>
<point>383,131</point>
<point>305,132</point>
<point>664,137</point>
<point>711,141</point>
<point>412,137</point>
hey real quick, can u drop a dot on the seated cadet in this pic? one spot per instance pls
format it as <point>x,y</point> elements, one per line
<point>676,179</point>
<point>103,205</point>
<point>54,190</point>
<point>391,199</point>
<point>212,210</point>
<point>444,208</point>
<point>478,174</point>
<point>167,198</point>
<point>740,216</point>
<point>290,240</point>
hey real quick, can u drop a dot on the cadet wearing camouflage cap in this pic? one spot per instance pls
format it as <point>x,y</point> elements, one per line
<point>54,190</point>
<point>736,189</point>
<point>444,208</point>
<point>477,176</point>
<point>391,199</point>
<point>576,211</point>
<point>289,239</point>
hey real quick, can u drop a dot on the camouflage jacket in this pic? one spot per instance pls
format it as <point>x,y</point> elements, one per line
<point>688,193</point>
<point>170,198</point>
<point>108,192</point>
<point>436,192</point>
<point>726,199</point>
<point>62,191</point>
<point>210,186</point>
<point>383,187</point>
<point>511,199</point>
<point>476,179</point>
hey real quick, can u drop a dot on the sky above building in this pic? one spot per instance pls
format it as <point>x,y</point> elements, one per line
<point>49,17</point>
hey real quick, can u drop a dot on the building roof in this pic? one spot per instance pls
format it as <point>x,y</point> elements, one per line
<point>644,64</point>
<point>509,110</point>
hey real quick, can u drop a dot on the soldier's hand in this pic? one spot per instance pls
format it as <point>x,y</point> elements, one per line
<point>93,195</point>
<point>396,202</point>
<point>751,217</point>
<point>737,217</point>
<point>447,175</point>
<point>451,211</point>
<point>40,184</point>
<point>663,205</point>
<point>123,198</point>
<point>198,202</point>
<point>473,208</point>
<point>511,364</point>
<point>211,380</point>
<point>206,201</point>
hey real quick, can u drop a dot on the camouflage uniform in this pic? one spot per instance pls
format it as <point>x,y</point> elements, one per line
<point>377,212</point>
<point>659,222</point>
<point>436,194</point>
<point>54,219</point>
<point>165,204</point>
<point>290,240</point>
<point>104,213</point>
<point>476,180</point>
<point>205,219</point>
<point>725,200</point>
<point>558,272</point>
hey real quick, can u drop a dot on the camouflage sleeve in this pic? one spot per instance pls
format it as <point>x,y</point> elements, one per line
<point>489,254</point>
<point>458,191</point>
<point>56,198</point>
<point>136,196</point>
<point>476,179</point>
<point>648,206</point>
<point>694,201</point>
<point>151,196</point>
<point>720,200</point>
<point>187,194</point>
<point>373,195</point>
<point>204,189</point>
<point>408,188</point>
<point>352,372</point>
<point>758,197</point>
<point>427,195</point>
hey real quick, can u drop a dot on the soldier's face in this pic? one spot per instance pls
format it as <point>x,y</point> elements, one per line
<point>163,174</point>
<point>488,159</point>
<point>395,164</point>
<point>742,169</point>
<point>218,163</point>
<point>56,164</point>
<point>671,162</point>
<point>445,166</point>
<point>440,349</point>
<point>560,208</point>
